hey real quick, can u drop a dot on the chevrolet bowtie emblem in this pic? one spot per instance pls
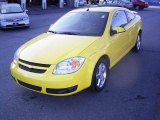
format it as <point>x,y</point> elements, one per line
<point>29,66</point>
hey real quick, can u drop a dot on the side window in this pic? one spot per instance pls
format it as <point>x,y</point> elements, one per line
<point>130,16</point>
<point>119,19</point>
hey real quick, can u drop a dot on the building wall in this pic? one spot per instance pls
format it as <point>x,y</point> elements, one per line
<point>39,2</point>
<point>14,1</point>
<point>31,3</point>
<point>35,2</point>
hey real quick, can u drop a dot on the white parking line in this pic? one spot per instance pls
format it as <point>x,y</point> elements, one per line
<point>157,7</point>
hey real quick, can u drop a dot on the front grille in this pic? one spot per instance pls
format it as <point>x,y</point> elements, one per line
<point>14,20</point>
<point>61,91</point>
<point>34,64</point>
<point>30,66</point>
<point>15,25</point>
<point>31,69</point>
<point>33,87</point>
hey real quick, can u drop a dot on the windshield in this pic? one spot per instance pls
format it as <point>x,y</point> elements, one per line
<point>10,8</point>
<point>81,23</point>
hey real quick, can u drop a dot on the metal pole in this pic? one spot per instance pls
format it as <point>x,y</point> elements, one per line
<point>76,3</point>
<point>44,4</point>
<point>23,4</point>
<point>61,3</point>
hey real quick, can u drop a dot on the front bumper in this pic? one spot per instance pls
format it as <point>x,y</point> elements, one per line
<point>47,83</point>
<point>9,24</point>
<point>146,5</point>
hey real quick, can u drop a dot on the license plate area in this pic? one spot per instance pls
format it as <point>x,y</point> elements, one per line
<point>15,23</point>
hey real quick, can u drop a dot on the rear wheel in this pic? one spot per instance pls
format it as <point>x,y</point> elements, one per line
<point>137,7</point>
<point>27,26</point>
<point>141,8</point>
<point>100,75</point>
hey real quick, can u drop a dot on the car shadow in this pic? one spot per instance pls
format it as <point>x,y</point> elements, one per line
<point>14,29</point>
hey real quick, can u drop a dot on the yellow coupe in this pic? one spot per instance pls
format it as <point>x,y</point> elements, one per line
<point>77,51</point>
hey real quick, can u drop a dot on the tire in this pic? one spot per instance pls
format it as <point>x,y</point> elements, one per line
<point>137,7</point>
<point>100,75</point>
<point>141,8</point>
<point>27,27</point>
<point>137,46</point>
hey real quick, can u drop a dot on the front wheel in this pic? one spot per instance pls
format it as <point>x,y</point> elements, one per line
<point>141,8</point>
<point>100,75</point>
<point>138,44</point>
<point>27,26</point>
<point>137,7</point>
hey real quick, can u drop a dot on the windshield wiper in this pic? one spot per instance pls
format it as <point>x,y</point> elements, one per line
<point>67,33</point>
<point>53,32</point>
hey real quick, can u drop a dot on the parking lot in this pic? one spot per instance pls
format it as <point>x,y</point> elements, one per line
<point>132,91</point>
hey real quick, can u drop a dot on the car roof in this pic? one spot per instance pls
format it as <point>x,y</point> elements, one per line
<point>99,9</point>
<point>6,4</point>
<point>3,3</point>
<point>10,4</point>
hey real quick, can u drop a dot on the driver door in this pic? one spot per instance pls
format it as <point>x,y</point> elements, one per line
<point>118,42</point>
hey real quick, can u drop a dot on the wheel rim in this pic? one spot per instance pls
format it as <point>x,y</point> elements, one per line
<point>101,75</point>
<point>137,7</point>
<point>138,43</point>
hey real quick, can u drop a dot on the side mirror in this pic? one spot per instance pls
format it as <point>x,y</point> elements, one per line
<point>25,10</point>
<point>117,30</point>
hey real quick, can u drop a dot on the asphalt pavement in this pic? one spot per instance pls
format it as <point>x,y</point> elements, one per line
<point>132,91</point>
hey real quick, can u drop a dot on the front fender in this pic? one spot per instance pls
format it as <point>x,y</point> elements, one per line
<point>92,61</point>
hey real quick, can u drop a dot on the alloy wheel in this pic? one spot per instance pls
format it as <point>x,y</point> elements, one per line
<point>101,75</point>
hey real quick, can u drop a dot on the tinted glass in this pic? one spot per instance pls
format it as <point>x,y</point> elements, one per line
<point>10,8</point>
<point>130,16</point>
<point>119,19</point>
<point>81,23</point>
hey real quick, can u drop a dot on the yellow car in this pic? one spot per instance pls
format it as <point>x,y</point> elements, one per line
<point>77,51</point>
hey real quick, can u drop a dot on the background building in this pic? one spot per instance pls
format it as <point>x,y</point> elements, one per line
<point>43,3</point>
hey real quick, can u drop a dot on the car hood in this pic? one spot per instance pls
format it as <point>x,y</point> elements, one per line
<point>53,48</point>
<point>13,16</point>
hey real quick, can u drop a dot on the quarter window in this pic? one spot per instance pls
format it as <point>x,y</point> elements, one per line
<point>119,19</point>
<point>130,16</point>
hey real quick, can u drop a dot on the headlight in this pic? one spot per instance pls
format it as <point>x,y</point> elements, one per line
<point>15,57</point>
<point>25,18</point>
<point>68,66</point>
<point>3,20</point>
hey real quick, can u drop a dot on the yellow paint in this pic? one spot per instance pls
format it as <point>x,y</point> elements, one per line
<point>51,49</point>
